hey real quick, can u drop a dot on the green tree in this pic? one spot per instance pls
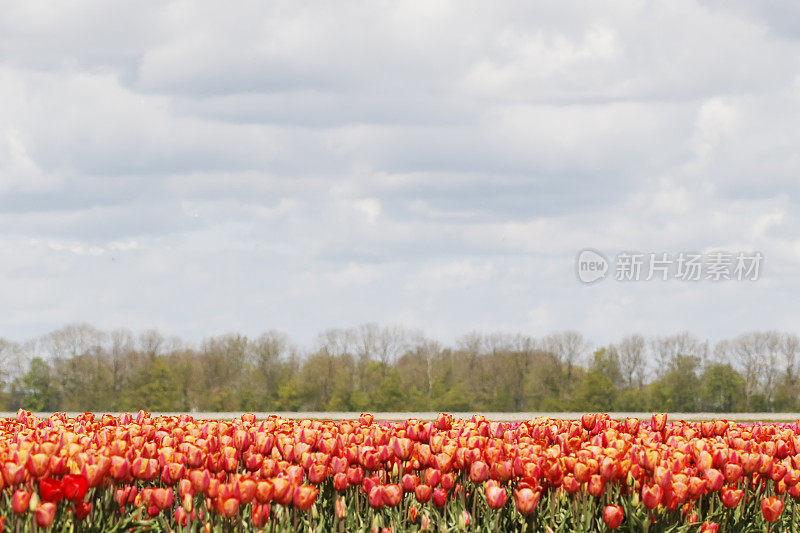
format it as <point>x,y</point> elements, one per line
<point>722,388</point>
<point>36,389</point>
<point>678,387</point>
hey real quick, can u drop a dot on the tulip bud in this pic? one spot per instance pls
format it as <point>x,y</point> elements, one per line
<point>340,508</point>
<point>425,523</point>
<point>34,502</point>
<point>181,516</point>
<point>187,502</point>
<point>464,520</point>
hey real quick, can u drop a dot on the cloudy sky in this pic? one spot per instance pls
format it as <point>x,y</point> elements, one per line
<point>206,167</point>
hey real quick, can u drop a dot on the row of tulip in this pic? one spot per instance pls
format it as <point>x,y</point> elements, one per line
<point>146,473</point>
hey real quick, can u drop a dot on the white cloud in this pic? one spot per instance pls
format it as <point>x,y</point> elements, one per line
<point>203,168</point>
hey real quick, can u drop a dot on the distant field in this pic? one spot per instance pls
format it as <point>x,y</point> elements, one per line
<point>500,417</point>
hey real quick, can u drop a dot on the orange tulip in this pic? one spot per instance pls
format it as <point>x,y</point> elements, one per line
<point>478,472</point>
<point>526,500</point>
<point>45,513</point>
<point>714,480</point>
<point>229,508</point>
<point>658,422</point>
<point>393,495</point>
<point>304,497</point>
<point>423,493</point>
<point>340,483</point>
<point>496,496</point>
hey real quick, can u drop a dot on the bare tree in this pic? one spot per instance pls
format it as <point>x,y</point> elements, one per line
<point>268,351</point>
<point>337,341</point>
<point>666,349</point>
<point>13,361</point>
<point>631,352</point>
<point>151,342</point>
<point>568,346</point>
<point>755,355</point>
<point>790,347</point>
<point>72,340</point>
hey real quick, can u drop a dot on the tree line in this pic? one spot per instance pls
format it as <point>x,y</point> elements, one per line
<point>389,368</point>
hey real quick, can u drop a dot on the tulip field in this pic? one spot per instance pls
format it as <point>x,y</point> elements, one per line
<point>174,473</point>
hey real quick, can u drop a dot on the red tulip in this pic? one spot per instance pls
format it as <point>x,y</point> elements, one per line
<point>570,484</point>
<point>410,482</point>
<point>20,501</point>
<point>355,475</point>
<point>340,483</point>
<point>50,490</point>
<point>613,516</point>
<point>82,509</point>
<point>439,497</point>
<point>375,497</point>
<point>74,487</point>
<point>448,480</point>
<point>731,497</point>
<point>181,516</point>
<point>45,513</point>
<point>651,496</point>
<point>709,527</point>
<point>771,508</point>
<point>260,514</point>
